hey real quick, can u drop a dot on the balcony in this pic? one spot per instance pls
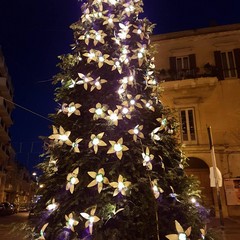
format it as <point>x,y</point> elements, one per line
<point>188,86</point>
<point>6,88</point>
<point>5,112</point>
<point>4,135</point>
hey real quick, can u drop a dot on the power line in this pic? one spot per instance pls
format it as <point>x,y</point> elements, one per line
<point>28,110</point>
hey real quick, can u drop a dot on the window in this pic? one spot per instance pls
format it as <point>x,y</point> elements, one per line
<point>228,63</point>
<point>188,128</point>
<point>182,63</point>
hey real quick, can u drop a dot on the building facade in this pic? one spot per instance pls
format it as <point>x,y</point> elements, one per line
<point>199,71</point>
<point>15,181</point>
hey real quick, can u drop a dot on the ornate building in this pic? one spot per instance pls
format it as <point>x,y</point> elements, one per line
<point>200,74</point>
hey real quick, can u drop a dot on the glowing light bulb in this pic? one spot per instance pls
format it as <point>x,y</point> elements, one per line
<point>73,180</point>
<point>139,31</point>
<point>52,206</point>
<point>117,63</point>
<point>101,59</point>
<point>63,138</point>
<point>124,51</point>
<point>147,158</point>
<point>193,200</point>
<point>136,131</point>
<point>114,117</point>
<point>99,111</point>
<point>120,186</point>
<point>140,55</point>
<point>99,178</point>
<point>71,222</point>
<point>97,83</point>
<point>118,147</point>
<point>155,188</point>
<point>148,105</point>
<point>110,20</point>
<point>182,236</point>
<point>72,109</point>
<point>131,78</point>
<point>92,55</point>
<point>95,141</point>
<point>98,37</point>
<point>132,102</point>
<point>121,91</point>
<point>125,80</point>
<point>125,110</point>
<point>91,220</point>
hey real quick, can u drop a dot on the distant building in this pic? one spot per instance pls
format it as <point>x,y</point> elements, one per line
<point>15,181</point>
<point>200,74</point>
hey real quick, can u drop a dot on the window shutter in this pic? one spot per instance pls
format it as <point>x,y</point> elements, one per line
<point>237,60</point>
<point>192,64</point>
<point>173,67</point>
<point>218,62</point>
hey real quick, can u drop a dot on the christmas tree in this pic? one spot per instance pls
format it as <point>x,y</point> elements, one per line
<point>113,167</point>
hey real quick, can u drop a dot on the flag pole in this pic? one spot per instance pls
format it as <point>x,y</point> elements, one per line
<point>215,175</point>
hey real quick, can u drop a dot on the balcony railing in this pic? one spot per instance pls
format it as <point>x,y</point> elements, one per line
<point>172,75</point>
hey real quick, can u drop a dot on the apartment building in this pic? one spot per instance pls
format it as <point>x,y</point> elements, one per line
<point>6,93</point>
<point>199,71</point>
<point>16,184</point>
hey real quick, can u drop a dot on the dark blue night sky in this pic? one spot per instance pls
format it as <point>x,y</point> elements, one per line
<point>34,32</point>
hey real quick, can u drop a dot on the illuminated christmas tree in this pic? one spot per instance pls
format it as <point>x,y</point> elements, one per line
<point>113,167</point>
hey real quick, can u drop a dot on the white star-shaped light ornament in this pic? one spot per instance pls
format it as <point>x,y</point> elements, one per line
<point>120,186</point>
<point>132,101</point>
<point>182,235</point>
<point>91,55</point>
<point>163,123</point>
<point>147,158</point>
<point>75,145</point>
<point>140,53</point>
<point>86,17</point>
<point>84,79</point>
<point>125,81</point>
<point>61,137</point>
<point>72,180</point>
<point>99,111</point>
<point>155,135</point>
<point>98,36</point>
<point>125,111</point>
<point>156,189</point>
<point>149,104</point>
<point>150,78</point>
<point>96,141</point>
<point>86,37</point>
<point>129,9</point>
<point>97,83</point>
<point>102,58</point>
<point>116,65</point>
<point>118,148</point>
<point>91,219</point>
<point>124,30</point>
<point>113,2</point>
<point>52,206</point>
<point>70,221</point>
<point>70,109</point>
<point>141,31</point>
<point>136,132</point>
<point>124,55</point>
<point>113,117</point>
<point>110,20</point>
<point>42,232</point>
<point>99,179</point>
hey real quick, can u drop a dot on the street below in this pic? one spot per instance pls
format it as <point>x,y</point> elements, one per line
<point>11,226</point>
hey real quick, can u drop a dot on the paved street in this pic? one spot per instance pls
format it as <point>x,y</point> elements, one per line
<point>10,227</point>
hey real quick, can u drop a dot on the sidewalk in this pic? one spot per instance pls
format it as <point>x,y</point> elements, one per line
<point>229,231</point>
